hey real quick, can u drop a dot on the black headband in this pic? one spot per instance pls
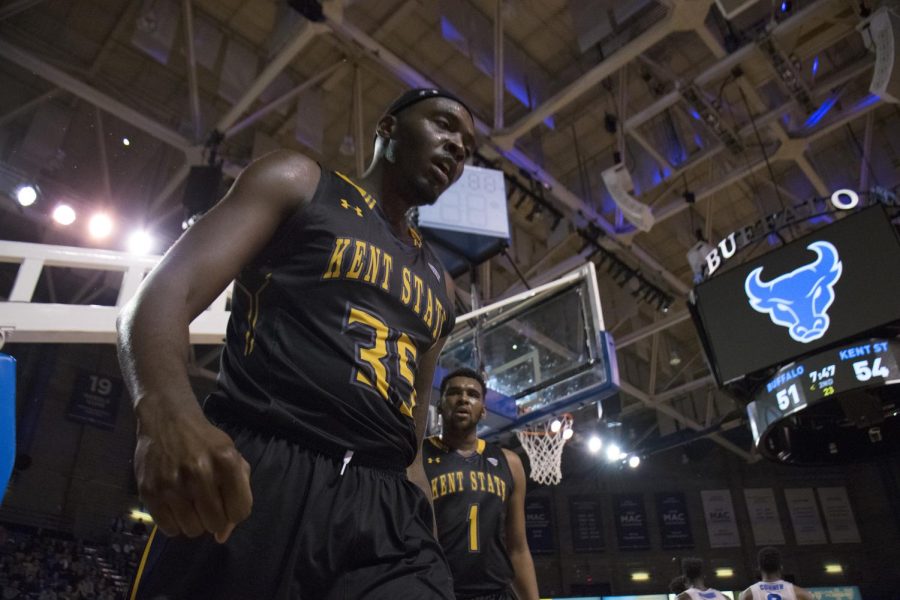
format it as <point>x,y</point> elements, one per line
<point>410,97</point>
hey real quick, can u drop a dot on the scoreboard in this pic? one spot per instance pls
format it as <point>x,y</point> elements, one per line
<point>812,383</point>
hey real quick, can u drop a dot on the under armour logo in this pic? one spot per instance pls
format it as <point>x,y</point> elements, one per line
<point>347,205</point>
<point>493,461</point>
<point>434,460</point>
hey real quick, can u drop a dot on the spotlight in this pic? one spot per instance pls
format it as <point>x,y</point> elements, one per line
<point>674,358</point>
<point>140,515</point>
<point>26,195</point>
<point>64,214</point>
<point>100,226</point>
<point>555,426</point>
<point>634,461</point>
<point>834,569</point>
<point>640,576</point>
<point>613,453</point>
<point>724,572</point>
<point>140,242</point>
<point>594,444</point>
<point>126,141</point>
<point>786,6</point>
<point>568,432</point>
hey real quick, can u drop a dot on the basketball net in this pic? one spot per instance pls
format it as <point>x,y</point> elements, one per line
<point>544,448</point>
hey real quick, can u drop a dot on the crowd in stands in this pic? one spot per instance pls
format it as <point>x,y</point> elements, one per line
<point>46,565</point>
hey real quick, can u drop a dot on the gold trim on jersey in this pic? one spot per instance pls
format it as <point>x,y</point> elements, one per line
<point>143,563</point>
<point>252,313</point>
<point>371,202</point>
<point>438,443</point>
<point>366,196</point>
<point>416,237</point>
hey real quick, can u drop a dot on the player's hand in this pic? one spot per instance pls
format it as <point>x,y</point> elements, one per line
<point>191,477</point>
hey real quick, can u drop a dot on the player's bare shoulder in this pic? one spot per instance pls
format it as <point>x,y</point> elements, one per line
<point>515,463</point>
<point>288,175</point>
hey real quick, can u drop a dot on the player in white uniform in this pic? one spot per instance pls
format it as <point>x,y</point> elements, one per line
<point>692,569</point>
<point>772,586</point>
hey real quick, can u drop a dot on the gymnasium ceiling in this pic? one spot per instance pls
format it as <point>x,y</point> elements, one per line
<point>78,76</point>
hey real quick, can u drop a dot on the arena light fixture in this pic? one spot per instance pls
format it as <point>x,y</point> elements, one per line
<point>64,214</point>
<point>555,425</point>
<point>100,226</point>
<point>634,461</point>
<point>26,195</point>
<point>834,569</point>
<point>567,433</point>
<point>613,453</point>
<point>594,444</point>
<point>724,572</point>
<point>140,515</point>
<point>126,141</point>
<point>640,576</point>
<point>140,242</point>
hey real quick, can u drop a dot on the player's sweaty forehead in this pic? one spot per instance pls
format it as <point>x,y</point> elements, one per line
<point>459,385</point>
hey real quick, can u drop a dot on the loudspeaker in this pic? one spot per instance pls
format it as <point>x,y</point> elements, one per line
<point>203,188</point>
<point>881,33</point>
<point>618,183</point>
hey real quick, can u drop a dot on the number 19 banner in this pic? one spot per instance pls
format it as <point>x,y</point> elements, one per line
<point>95,399</point>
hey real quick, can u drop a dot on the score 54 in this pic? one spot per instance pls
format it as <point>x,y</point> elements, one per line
<point>864,372</point>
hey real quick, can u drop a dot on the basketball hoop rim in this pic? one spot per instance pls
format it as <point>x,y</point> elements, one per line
<point>564,417</point>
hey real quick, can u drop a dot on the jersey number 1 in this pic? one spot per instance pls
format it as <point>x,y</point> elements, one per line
<point>373,350</point>
<point>473,528</point>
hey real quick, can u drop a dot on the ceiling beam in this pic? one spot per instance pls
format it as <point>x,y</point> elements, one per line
<point>84,91</point>
<point>652,329</point>
<point>382,55</point>
<point>665,409</point>
<point>684,15</point>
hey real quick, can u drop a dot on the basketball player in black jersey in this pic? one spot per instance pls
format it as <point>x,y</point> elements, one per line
<point>479,499</point>
<point>300,476</point>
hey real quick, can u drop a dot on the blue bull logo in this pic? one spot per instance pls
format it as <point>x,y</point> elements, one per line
<point>799,300</point>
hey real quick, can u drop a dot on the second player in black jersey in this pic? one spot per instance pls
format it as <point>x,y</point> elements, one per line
<point>479,499</point>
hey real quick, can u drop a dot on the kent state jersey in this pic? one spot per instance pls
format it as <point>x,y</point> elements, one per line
<point>471,496</point>
<point>328,325</point>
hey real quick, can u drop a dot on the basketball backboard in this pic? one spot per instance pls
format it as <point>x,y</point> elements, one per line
<point>543,352</point>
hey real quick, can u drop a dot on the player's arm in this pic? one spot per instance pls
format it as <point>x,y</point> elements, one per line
<point>683,596</point>
<point>746,595</point>
<point>189,473</point>
<point>524,578</point>
<point>424,383</point>
<point>802,593</point>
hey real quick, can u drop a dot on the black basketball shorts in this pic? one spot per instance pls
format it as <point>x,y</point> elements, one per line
<point>313,534</point>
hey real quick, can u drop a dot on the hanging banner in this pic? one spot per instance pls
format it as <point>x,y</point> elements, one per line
<point>587,523</point>
<point>95,399</point>
<point>720,521</point>
<point>764,518</point>
<point>631,522</point>
<point>673,521</point>
<point>539,525</point>
<point>801,503</point>
<point>838,515</point>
